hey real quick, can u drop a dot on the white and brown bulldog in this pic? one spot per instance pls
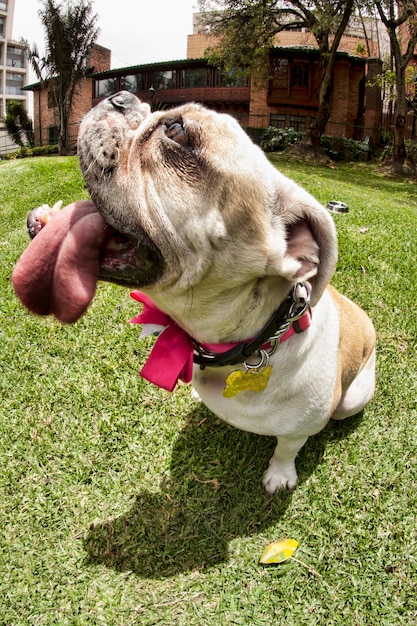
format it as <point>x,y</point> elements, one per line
<point>233,261</point>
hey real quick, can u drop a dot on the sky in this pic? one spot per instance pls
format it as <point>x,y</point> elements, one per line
<point>136,31</point>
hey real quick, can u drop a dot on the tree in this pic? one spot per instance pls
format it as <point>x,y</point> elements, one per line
<point>400,20</point>
<point>70,32</point>
<point>247,28</point>
<point>18,124</point>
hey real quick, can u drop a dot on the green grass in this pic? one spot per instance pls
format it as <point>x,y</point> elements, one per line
<point>122,505</point>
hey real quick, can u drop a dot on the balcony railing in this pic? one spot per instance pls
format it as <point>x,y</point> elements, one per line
<point>205,95</point>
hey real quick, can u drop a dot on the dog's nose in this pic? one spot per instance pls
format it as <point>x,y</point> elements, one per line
<point>123,100</point>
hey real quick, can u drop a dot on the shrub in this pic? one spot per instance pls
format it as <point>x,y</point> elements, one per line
<point>44,150</point>
<point>278,139</point>
<point>343,149</point>
<point>410,147</point>
<point>256,134</point>
<point>31,152</point>
<point>337,148</point>
<point>18,124</point>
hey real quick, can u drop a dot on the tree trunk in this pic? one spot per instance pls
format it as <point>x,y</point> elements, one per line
<point>62,125</point>
<point>399,164</point>
<point>398,18</point>
<point>328,57</point>
<point>400,112</point>
<point>323,114</point>
<point>399,152</point>
<point>310,146</point>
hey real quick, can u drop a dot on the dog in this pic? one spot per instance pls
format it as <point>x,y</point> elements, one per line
<point>233,261</point>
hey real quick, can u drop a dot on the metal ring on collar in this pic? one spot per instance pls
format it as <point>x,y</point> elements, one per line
<point>258,367</point>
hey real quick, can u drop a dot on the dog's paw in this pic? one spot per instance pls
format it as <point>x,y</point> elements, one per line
<point>279,476</point>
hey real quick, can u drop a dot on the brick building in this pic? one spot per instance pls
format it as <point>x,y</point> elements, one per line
<point>289,98</point>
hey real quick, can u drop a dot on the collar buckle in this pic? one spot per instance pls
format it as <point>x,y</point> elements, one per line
<point>298,305</point>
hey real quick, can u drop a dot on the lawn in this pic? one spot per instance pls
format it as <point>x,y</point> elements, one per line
<point>123,505</point>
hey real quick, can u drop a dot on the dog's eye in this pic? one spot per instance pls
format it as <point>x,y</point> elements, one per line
<point>175,132</point>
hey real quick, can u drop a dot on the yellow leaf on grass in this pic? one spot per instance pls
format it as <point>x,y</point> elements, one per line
<point>279,551</point>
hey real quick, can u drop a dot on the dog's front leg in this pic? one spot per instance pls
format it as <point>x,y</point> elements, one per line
<point>281,473</point>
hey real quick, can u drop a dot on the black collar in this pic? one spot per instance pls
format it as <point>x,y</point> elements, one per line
<point>291,309</point>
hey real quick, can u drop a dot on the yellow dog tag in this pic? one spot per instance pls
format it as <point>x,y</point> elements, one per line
<point>250,380</point>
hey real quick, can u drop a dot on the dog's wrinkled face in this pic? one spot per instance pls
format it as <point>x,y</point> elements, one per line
<point>178,182</point>
<point>196,206</point>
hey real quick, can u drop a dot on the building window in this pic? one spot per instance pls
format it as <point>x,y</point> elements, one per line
<point>104,87</point>
<point>3,5</point>
<point>298,123</point>
<point>300,75</point>
<point>196,77</point>
<point>277,121</point>
<point>14,83</point>
<point>132,83</point>
<point>52,135</point>
<point>165,80</point>
<point>280,73</point>
<point>51,100</point>
<point>233,78</point>
<point>15,57</point>
<point>1,26</point>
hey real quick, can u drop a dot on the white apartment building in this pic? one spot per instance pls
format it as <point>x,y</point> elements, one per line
<point>13,70</point>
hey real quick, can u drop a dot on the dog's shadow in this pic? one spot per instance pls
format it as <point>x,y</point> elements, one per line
<point>213,495</point>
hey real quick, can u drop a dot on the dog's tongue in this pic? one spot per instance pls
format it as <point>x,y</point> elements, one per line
<point>58,272</point>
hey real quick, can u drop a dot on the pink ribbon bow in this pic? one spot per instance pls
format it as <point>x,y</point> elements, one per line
<point>172,356</point>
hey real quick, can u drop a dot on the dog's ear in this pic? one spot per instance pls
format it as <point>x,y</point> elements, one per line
<point>311,244</point>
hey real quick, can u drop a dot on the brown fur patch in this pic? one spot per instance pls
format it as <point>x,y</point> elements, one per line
<point>356,343</point>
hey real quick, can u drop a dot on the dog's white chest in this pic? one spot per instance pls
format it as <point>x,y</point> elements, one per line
<point>297,397</point>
